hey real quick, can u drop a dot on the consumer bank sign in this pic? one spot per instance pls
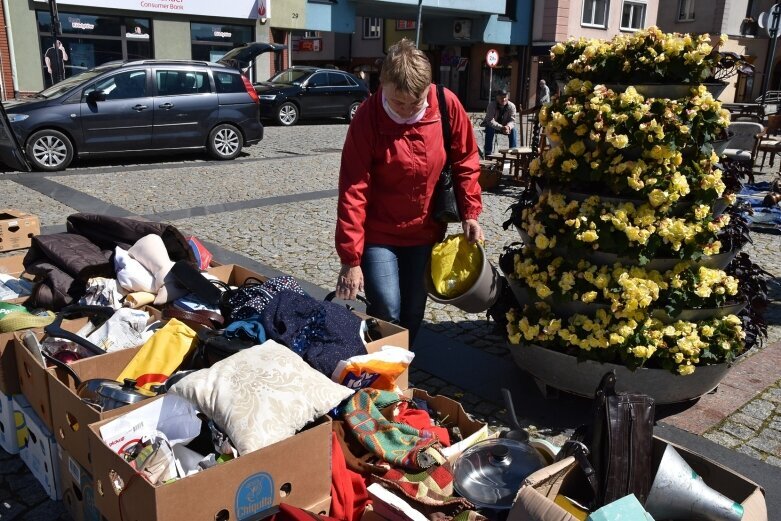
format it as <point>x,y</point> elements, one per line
<point>231,9</point>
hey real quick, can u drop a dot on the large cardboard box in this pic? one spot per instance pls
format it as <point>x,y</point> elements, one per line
<point>532,502</point>
<point>70,415</point>
<point>33,377</point>
<point>17,229</point>
<point>40,454</point>
<point>9,378</point>
<point>390,334</point>
<point>78,489</point>
<point>296,470</point>
<point>13,431</point>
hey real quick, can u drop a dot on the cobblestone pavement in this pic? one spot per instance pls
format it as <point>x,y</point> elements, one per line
<point>297,238</point>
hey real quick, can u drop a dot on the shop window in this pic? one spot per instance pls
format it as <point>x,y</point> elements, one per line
<point>371,28</point>
<point>632,16</point>
<point>489,83</point>
<point>685,10</point>
<point>125,85</point>
<point>170,83</point>
<point>210,42</point>
<point>595,13</point>
<point>405,25</point>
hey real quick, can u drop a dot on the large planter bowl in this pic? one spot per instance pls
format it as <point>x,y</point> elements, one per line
<point>697,314</point>
<point>667,90</point>
<point>565,373</point>
<point>718,261</point>
<point>567,308</point>
<point>523,294</point>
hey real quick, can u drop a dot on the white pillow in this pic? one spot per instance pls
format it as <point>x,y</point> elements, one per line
<point>261,395</point>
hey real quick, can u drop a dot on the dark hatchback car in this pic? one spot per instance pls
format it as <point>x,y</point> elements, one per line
<point>310,92</point>
<point>141,106</point>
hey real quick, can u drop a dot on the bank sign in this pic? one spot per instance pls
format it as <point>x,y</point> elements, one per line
<point>246,9</point>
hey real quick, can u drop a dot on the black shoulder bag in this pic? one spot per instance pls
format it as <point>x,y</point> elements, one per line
<point>445,205</point>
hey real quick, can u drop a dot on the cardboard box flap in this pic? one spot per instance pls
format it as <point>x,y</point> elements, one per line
<point>12,265</point>
<point>537,508</point>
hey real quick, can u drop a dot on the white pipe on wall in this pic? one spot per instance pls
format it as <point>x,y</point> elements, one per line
<point>10,35</point>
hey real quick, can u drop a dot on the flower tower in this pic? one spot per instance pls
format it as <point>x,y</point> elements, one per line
<point>623,258</point>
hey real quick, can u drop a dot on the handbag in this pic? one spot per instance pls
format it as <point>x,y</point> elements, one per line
<point>445,203</point>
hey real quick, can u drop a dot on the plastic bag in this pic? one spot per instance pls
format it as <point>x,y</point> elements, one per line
<point>455,265</point>
<point>378,370</point>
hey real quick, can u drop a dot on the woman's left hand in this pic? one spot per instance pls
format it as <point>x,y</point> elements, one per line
<point>472,230</point>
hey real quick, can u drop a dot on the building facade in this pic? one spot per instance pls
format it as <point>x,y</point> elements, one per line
<point>740,20</point>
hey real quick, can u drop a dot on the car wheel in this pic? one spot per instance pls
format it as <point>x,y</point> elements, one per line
<point>49,150</point>
<point>287,114</point>
<point>225,142</point>
<point>353,110</point>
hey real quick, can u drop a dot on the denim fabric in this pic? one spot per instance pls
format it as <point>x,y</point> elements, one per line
<point>393,279</point>
<point>489,139</point>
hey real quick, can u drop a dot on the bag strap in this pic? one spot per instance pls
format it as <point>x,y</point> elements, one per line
<point>201,317</point>
<point>446,133</point>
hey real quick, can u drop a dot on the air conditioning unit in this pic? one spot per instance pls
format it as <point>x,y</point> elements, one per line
<point>462,29</point>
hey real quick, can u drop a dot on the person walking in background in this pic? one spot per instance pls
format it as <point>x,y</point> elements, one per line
<point>543,93</point>
<point>500,117</point>
<point>391,161</point>
<point>55,58</point>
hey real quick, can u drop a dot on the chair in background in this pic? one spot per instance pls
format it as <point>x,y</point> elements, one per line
<point>770,139</point>
<point>744,143</point>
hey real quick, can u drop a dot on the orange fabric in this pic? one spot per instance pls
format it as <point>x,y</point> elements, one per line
<point>389,171</point>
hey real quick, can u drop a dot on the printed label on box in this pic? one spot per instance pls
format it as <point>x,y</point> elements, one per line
<point>254,495</point>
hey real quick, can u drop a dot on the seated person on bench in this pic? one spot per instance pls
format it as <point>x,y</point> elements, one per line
<point>500,117</point>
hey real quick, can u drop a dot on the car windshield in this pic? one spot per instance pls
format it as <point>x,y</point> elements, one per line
<point>67,84</point>
<point>290,76</point>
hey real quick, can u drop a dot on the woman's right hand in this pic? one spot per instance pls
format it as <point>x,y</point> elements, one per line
<point>350,282</point>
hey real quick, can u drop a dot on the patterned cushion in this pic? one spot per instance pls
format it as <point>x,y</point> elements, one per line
<point>261,395</point>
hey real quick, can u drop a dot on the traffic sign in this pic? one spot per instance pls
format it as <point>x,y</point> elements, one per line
<point>492,58</point>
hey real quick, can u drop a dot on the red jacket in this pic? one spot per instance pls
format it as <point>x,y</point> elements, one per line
<point>388,175</point>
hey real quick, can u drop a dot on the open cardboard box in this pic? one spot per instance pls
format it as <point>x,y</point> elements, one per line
<point>17,229</point>
<point>33,377</point>
<point>296,471</point>
<point>391,334</point>
<point>532,502</point>
<point>9,378</point>
<point>78,489</point>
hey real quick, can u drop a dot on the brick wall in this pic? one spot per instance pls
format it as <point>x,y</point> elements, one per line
<point>5,60</point>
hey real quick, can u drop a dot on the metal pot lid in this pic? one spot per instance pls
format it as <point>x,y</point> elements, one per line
<point>126,392</point>
<point>490,473</point>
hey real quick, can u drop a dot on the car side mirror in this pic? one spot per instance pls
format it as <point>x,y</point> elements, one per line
<point>96,95</point>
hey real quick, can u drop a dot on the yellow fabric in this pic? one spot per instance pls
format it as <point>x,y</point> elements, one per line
<point>455,265</point>
<point>17,321</point>
<point>162,354</point>
<point>139,298</point>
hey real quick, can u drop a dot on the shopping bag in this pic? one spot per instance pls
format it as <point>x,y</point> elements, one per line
<point>455,265</point>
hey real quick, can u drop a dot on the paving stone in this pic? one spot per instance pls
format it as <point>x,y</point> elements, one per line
<point>765,444</point>
<point>723,439</point>
<point>773,394</point>
<point>739,431</point>
<point>772,460</point>
<point>771,434</point>
<point>748,451</point>
<point>748,421</point>
<point>760,409</point>
<point>775,424</point>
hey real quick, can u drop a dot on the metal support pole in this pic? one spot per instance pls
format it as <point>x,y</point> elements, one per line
<point>58,74</point>
<point>417,25</point>
<point>775,14</point>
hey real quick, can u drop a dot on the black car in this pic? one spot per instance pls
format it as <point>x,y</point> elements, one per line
<point>310,92</point>
<point>132,107</point>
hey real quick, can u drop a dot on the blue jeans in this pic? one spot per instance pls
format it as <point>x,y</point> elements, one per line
<point>489,139</point>
<point>394,284</point>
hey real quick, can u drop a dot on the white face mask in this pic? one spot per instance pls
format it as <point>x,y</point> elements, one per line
<point>398,119</point>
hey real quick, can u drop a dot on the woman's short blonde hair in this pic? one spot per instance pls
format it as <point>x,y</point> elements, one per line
<point>406,68</point>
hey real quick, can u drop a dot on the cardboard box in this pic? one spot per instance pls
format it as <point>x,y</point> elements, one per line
<point>32,376</point>
<point>9,378</point>
<point>392,334</point>
<point>40,454</point>
<point>296,470</point>
<point>70,415</point>
<point>17,229</point>
<point>13,430</point>
<point>532,503</point>
<point>78,489</point>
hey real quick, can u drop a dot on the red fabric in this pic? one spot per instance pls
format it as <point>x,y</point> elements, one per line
<point>291,513</point>
<point>420,420</point>
<point>349,496</point>
<point>389,171</point>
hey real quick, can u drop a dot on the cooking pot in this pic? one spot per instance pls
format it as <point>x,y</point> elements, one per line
<point>490,473</point>
<point>109,394</point>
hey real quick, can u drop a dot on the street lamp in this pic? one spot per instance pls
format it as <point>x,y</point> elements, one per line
<point>58,73</point>
<point>417,26</point>
<point>775,15</point>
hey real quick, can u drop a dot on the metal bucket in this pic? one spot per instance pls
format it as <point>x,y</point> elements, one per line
<point>481,296</point>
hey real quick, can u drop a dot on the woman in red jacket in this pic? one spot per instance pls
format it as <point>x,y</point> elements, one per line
<point>391,162</point>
